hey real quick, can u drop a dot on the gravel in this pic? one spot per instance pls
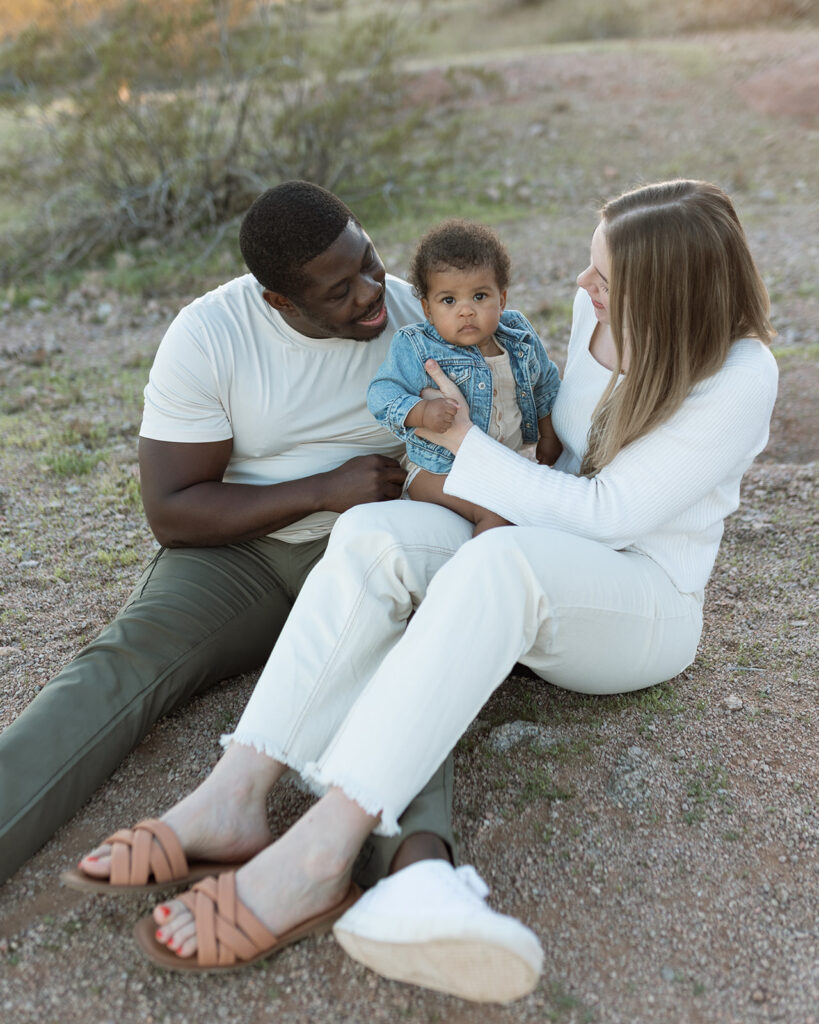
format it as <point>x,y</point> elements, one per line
<point>663,845</point>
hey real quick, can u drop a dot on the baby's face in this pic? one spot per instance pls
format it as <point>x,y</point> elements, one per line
<point>464,306</point>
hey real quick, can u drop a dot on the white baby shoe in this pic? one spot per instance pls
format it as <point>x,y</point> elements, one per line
<point>429,925</point>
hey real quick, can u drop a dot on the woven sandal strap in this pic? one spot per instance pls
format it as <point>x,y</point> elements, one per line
<point>226,931</point>
<point>151,847</point>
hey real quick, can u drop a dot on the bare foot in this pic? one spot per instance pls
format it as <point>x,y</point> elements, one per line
<point>224,819</point>
<point>304,873</point>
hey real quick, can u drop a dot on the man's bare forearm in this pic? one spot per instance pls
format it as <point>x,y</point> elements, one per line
<point>212,512</point>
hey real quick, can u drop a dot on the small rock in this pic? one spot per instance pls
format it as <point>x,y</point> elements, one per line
<point>512,734</point>
<point>630,784</point>
<point>667,973</point>
<point>732,702</point>
<point>124,260</point>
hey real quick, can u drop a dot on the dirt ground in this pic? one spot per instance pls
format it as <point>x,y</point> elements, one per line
<point>663,846</point>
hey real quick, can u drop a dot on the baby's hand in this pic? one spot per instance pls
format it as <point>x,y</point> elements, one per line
<point>548,449</point>
<point>438,414</point>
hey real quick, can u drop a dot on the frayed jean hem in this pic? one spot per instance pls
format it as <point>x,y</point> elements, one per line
<point>317,778</point>
<point>316,781</point>
<point>262,745</point>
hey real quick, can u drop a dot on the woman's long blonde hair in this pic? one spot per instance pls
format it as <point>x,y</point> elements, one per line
<point>683,288</point>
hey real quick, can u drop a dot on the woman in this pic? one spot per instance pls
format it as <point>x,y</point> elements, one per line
<point>666,399</point>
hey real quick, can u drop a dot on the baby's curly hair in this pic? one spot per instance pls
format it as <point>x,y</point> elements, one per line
<point>462,245</point>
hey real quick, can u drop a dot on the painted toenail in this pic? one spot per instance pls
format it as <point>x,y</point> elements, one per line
<point>91,857</point>
<point>165,911</point>
<point>158,934</point>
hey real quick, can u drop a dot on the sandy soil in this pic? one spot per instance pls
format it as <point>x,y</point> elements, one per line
<point>663,846</point>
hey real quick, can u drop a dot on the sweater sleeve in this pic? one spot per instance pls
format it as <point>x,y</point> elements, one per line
<point>714,436</point>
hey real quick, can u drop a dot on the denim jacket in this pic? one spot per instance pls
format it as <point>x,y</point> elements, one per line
<point>396,387</point>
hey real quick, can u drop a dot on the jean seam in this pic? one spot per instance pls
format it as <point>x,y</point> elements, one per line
<point>311,700</point>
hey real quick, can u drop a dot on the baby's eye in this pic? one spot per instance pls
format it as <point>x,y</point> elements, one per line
<point>448,300</point>
<point>479,296</point>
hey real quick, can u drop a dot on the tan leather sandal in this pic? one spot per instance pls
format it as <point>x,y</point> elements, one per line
<point>229,935</point>
<point>150,849</point>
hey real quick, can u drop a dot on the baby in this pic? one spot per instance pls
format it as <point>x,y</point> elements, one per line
<point>460,272</point>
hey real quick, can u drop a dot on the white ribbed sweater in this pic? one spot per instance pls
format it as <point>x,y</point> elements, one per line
<point>666,494</point>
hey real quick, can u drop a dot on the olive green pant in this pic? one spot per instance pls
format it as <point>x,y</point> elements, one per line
<point>196,616</point>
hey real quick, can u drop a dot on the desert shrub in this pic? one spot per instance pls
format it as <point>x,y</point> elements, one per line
<point>741,13</point>
<point>591,19</point>
<point>166,120</point>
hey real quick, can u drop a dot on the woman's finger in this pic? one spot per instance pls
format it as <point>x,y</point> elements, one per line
<point>443,383</point>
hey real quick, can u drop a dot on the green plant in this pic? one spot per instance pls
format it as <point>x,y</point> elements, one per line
<point>72,463</point>
<point>706,782</point>
<point>539,785</point>
<point>165,120</point>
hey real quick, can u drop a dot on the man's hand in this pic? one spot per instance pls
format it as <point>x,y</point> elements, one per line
<point>436,414</point>
<point>189,505</point>
<point>360,480</point>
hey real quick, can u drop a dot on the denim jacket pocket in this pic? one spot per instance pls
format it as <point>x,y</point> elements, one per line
<point>458,370</point>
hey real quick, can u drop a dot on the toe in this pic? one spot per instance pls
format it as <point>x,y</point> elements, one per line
<point>97,863</point>
<point>184,940</point>
<point>176,924</point>
<point>162,912</point>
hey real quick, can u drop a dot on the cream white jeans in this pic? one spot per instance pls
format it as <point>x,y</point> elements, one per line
<point>353,696</point>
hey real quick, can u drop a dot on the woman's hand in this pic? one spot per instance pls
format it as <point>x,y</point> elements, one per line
<point>452,437</point>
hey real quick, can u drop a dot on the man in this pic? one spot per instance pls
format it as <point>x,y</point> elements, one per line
<point>255,437</point>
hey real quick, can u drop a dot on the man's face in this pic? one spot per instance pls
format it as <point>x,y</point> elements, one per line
<point>344,292</point>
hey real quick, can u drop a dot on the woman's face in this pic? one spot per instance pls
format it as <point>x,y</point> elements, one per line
<point>595,278</point>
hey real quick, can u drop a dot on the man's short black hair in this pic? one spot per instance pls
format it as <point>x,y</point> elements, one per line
<point>286,227</point>
<point>462,245</point>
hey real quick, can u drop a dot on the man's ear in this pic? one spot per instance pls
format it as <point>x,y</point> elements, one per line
<point>279,302</point>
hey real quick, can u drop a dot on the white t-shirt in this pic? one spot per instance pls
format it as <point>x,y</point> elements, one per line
<point>666,494</point>
<point>229,366</point>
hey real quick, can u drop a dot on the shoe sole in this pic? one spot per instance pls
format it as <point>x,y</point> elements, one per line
<point>162,956</point>
<point>78,880</point>
<point>470,969</point>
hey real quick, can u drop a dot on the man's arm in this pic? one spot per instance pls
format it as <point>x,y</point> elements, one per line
<point>188,505</point>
